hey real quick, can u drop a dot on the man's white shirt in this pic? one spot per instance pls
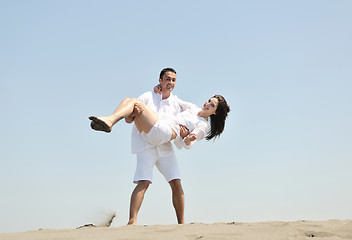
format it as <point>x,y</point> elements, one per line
<point>175,111</point>
<point>166,109</point>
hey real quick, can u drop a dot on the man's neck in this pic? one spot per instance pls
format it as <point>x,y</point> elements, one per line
<point>165,95</point>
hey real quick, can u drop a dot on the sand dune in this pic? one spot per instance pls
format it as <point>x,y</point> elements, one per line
<point>332,229</point>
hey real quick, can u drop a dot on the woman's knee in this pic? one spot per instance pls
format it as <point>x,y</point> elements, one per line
<point>127,99</point>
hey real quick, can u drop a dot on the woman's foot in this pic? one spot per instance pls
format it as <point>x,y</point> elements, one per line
<point>100,124</point>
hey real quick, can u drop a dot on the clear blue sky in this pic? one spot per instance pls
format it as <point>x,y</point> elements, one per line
<point>285,68</point>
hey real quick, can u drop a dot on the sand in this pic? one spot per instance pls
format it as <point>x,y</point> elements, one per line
<point>332,229</point>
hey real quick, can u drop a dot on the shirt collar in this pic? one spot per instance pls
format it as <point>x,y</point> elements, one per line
<point>167,99</point>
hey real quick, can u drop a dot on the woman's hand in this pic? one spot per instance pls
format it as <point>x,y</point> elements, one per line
<point>190,138</point>
<point>183,131</point>
<point>157,89</point>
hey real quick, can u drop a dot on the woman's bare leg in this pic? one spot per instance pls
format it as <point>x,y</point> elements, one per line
<point>144,120</point>
<point>144,117</point>
<point>124,109</point>
<point>139,124</point>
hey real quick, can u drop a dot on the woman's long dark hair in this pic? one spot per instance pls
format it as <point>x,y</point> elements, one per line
<point>217,120</point>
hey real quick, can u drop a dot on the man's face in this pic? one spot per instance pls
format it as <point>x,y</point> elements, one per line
<point>168,81</point>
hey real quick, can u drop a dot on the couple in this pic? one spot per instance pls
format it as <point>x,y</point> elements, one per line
<point>160,117</point>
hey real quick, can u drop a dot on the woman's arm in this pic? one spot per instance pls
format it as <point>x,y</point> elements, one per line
<point>195,136</point>
<point>187,106</point>
<point>190,138</point>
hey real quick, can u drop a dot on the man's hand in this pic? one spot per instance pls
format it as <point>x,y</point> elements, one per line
<point>138,109</point>
<point>190,138</point>
<point>157,89</point>
<point>183,131</point>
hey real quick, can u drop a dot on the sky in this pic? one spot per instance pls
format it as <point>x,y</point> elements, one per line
<point>284,67</point>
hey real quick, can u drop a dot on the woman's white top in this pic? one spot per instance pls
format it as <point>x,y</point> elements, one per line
<point>190,119</point>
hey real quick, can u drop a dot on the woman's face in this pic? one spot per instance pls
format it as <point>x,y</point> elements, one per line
<point>210,106</point>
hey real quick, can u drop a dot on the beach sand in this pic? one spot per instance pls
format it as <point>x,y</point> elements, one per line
<point>332,229</point>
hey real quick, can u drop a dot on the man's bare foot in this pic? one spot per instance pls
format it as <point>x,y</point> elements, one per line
<point>100,124</point>
<point>132,222</point>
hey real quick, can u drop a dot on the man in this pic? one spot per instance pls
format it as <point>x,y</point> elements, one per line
<point>162,156</point>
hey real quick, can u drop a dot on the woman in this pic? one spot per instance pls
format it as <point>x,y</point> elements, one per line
<point>191,125</point>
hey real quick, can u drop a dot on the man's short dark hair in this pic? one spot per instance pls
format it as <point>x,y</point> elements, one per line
<point>166,70</point>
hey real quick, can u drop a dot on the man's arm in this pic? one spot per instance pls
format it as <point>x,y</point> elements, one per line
<point>138,109</point>
<point>129,119</point>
